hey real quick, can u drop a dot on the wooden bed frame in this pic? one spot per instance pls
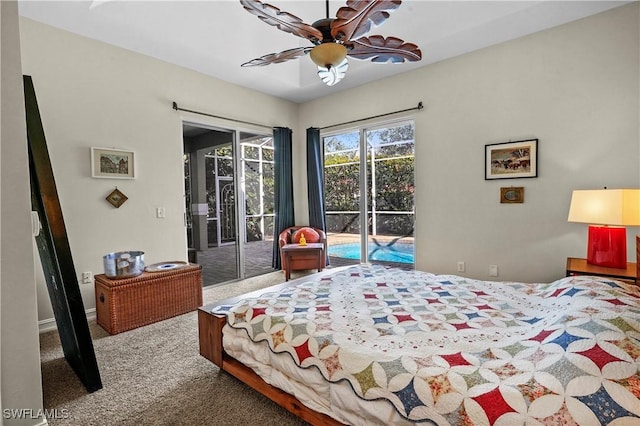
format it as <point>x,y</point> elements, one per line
<point>210,335</point>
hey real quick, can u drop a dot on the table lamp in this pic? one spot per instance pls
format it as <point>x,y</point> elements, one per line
<point>607,211</point>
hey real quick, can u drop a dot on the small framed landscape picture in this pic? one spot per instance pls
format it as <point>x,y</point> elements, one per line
<point>512,195</point>
<point>510,160</point>
<point>116,198</point>
<point>112,163</point>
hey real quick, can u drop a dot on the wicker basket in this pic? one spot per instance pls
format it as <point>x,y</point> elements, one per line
<point>124,304</point>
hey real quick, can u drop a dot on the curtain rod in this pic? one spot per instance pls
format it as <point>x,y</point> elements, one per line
<point>177,108</point>
<point>419,107</point>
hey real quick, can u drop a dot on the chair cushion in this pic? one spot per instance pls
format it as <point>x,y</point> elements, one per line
<point>310,235</point>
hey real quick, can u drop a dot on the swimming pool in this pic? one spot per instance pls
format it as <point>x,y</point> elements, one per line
<point>398,252</point>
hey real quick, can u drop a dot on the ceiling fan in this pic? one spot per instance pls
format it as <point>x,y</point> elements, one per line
<point>336,38</point>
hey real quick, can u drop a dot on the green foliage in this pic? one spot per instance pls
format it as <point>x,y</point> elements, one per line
<point>393,151</point>
<point>342,189</point>
<point>394,184</point>
<point>394,179</point>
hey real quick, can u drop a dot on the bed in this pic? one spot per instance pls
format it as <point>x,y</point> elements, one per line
<point>368,345</point>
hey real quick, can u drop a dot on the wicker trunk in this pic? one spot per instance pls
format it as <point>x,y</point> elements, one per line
<point>124,304</point>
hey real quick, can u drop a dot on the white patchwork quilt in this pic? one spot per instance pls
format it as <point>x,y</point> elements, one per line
<point>371,345</point>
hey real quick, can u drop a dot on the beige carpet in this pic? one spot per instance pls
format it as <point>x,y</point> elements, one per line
<point>154,375</point>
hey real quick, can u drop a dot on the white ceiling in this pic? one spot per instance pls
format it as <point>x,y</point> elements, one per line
<point>215,37</point>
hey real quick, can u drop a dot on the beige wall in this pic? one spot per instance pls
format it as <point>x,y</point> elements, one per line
<point>20,379</point>
<point>95,95</point>
<point>574,87</point>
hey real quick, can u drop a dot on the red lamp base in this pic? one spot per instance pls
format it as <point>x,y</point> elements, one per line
<point>607,246</point>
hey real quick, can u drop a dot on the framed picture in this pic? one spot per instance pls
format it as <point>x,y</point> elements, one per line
<point>510,160</point>
<point>112,163</point>
<point>512,195</point>
<point>116,198</point>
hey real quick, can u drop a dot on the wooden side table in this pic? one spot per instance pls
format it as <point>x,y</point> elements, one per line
<point>295,257</point>
<point>577,266</point>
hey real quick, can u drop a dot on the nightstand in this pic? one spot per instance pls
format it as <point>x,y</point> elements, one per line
<point>295,257</point>
<point>577,266</point>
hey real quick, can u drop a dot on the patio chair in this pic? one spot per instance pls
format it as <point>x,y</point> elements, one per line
<point>298,260</point>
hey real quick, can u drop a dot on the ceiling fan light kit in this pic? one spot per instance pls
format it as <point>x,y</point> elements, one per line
<point>335,39</point>
<point>328,55</point>
<point>332,75</point>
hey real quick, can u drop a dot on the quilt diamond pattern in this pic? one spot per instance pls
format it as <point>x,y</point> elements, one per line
<point>454,350</point>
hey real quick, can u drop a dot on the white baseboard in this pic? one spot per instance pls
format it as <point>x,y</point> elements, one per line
<point>50,323</point>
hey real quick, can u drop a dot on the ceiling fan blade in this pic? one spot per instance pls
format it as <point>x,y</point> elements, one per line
<point>282,20</point>
<point>380,49</point>
<point>274,58</point>
<point>356,18</point>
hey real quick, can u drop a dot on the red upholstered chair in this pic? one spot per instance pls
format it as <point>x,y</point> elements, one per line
<point>305,259</point>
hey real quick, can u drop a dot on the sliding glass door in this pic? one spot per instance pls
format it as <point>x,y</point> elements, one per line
<point>390,212</point>
<point>257,187</point>
<point>229,202</point>
<point>369,187</point>
<point>343,197</point>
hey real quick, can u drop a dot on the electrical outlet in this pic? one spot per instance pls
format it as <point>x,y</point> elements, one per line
<point>460,266</point>
<point>87,278</point>
<point>493,270</point>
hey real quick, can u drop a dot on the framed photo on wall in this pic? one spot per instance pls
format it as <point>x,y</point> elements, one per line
<point>514,194</point>
<point>116,198</point>
<point>112,163</point>
<point>510,160</point>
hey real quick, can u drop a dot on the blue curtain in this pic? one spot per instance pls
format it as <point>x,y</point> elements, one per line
<point>283,187</point>
<point>315,181</point>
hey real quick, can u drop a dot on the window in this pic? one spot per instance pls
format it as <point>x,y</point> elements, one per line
<point>381,160</point>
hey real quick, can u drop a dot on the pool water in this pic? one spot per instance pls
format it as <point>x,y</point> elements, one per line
<point>398,252</point>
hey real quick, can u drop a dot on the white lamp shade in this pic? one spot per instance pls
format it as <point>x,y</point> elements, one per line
<point>616,207</point>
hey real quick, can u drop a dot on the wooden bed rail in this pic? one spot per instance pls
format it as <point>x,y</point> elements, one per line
<point>210,337</point>
<point>210,334</point>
